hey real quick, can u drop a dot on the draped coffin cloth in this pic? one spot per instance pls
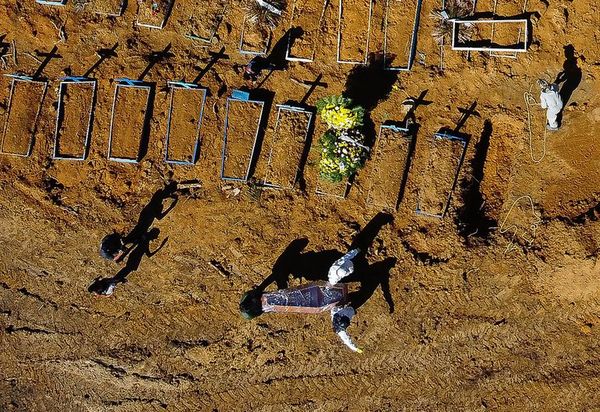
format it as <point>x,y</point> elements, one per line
<point>314,297</point>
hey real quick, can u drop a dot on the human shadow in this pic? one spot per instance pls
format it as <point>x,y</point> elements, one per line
<point>571,75</point>
<point>471,216</point>
<point>154,210</point>
<point>141,249</point>
<point>369,84</point>
<point>276,57</point>
<point>314,265</point>
<point>376,275</point>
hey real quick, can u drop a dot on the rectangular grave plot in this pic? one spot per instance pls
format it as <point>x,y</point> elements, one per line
<point>400,33</point>
<point>24,106</point>
<point>508,8</point>
<point>203,26</point>
<point>287,147</point>
<point>242,125</point>
<point>153,13</point>
<point>74,119</point>
<point>307,14</point>
<point>113,8</point>
<point>354,27</point>
<point>483,30</point>
<point>253,39</point>
<point>52,2</point>
<point>439,178</point>
<point>183,125</point>
<point>128,122</point>
<point>390,161</point>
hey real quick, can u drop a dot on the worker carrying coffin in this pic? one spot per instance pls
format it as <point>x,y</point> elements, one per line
<point>314,297</point>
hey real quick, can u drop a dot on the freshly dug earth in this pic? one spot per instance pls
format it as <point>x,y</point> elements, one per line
<point>353,27</point>
<point>77,104</point>
<point>481,319</point>
<point>288,144</point>
<point>130,111</point>
<point>307,14</point>
<point>242,127</point>
<point>435,189</point>
<point>153,13</point>
<point>21,116</point>
<point>184,128</point>
<point>389,161</point>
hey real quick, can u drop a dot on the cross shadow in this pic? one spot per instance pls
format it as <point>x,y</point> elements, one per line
<point>410,117</point>
<point>214,58</point>
<point>465,115</point>
<point>103,54</point>
<point>145,136</point>
<point>266,96</point>
<point>154,58</point>
<point>313,85</point>
<point>294,262</point>
<point>154,210</point>
<point>47,58</point>
<point>571,75</point>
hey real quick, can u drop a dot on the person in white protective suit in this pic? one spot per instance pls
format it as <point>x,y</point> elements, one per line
<point>314,297</point>
<point>342,314</point>
<point>551,101</point>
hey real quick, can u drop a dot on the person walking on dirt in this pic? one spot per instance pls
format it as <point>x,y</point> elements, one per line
<point>252,71</point>
<point>550,99</point>
<point>106,286</point>
<point>116,246</point>
<point>112,247</point>
<point>314,297</point>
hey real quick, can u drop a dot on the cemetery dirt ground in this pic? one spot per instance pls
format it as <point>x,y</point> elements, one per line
<point>494,307</point>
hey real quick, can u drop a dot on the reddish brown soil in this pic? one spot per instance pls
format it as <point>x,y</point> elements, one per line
<point>353,26</point>
<point>128,122</point>
<point>388,163</point>
<point>242,128</point>
<point>438,178</point>
<point>400,27</point>
<point>184,132</point>
<point>307,14</point>
<point>21,116</point>
<point>73,128</point>
<point>482,319</point>
<point>287,144</point>
<point>153,12</point>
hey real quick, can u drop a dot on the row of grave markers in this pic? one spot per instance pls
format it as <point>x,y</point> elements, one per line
<point>289,145</point>
<point>400,31</point>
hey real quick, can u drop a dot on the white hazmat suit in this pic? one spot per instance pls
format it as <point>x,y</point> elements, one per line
<point>550,99</point>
